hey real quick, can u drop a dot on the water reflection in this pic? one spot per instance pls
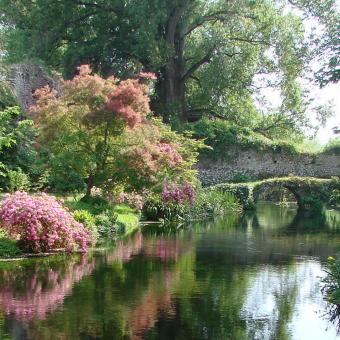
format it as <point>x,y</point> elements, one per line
<point>249,277</point>
<point>34,289</point>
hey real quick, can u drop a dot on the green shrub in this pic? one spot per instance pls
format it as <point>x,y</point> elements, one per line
<point>211,203</point>
<point>334,199</point>
<point>106,223</point>
<point>332,281</point>
<point>221,134</point>
<point>88,220</point>
<point>9,248</point>
<point>208,203</point>
<point>313,203</point>
<point>95,205</point>
<point>333,146</point>
<point>85,217</point>
<point>66,181</point>
<point>17,180</point>
<point>155,209</point>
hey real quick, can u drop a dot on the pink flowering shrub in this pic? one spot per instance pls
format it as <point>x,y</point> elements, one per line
<point>179,194</point>
<point>41,223</point>
<point>132,199</point>
<point>169,152</point>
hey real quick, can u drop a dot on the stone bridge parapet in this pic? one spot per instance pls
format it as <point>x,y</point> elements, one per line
<point>257,164</point>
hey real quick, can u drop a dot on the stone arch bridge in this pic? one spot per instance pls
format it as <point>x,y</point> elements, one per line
<point>306,190</point>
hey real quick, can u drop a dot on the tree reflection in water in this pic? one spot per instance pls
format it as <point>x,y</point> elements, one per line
<point>237,278</point>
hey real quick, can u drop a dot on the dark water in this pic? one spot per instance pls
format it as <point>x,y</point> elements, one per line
<point>251,277</point>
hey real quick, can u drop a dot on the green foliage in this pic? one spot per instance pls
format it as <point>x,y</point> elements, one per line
<point>64,179</point>
<point>210,203</point>
<point>85,217</point>
<point>235,40</point>
<point>17,180</point>
<point>94,205</point>
<point>331,286</point>
<point>313,203</point>
<point>7,96</point>
<point>107,219</point>
<point>88,220</point>
<point>221,135</point>
<point>16,147</point>
<point>9,248</point>
<point>334,199</point>
<point>155,209</point>
<point>333,146</point>
<point>106,223</point>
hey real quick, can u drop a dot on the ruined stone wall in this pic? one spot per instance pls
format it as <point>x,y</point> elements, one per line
<point>25,78</point>
<point>263,164</point>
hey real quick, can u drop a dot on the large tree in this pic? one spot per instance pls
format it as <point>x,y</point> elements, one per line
<point>100,131</point>
<point>206,54</point>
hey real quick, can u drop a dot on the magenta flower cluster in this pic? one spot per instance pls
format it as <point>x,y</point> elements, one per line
<point>42,224</point>
<point>178,193</point>
<point>132,199</point>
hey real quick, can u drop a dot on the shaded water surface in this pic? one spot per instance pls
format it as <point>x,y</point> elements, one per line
<point>250,277</point>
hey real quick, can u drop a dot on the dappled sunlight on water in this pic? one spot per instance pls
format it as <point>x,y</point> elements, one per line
<point>255,276</point>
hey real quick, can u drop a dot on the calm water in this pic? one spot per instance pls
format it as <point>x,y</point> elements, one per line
<point>251,277</point>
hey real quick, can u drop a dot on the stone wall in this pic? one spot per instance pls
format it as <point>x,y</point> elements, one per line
<point>263,164</point>
<point>25,78</point>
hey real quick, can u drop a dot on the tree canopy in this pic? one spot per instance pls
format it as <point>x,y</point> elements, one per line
<point>210,58</point>
<point>100,132</point>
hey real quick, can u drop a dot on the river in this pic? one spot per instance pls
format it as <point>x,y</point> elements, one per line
<point>256,276</point>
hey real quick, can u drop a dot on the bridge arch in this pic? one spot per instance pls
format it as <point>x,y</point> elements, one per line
<point>264,187</point>
<point>306,190</point>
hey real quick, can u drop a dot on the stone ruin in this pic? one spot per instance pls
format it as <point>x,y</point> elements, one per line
<point>25,78</point>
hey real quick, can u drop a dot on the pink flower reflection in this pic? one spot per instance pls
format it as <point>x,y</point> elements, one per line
<point>44,291</point>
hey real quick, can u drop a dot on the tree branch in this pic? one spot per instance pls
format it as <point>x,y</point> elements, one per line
<point>195,66</point>
<point>96,5</point>
<point>217,16</point>
<point>197,80</point>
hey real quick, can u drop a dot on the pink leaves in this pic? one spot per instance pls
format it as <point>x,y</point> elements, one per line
<point>84,70</point>
<point>41,223</point>
<point>130,101</point>
<point>170,153</point>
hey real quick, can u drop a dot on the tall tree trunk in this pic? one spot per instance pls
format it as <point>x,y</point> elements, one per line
<point>89,185</point>
<point>171,85</point>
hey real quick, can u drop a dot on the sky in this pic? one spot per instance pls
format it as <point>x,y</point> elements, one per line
<point>326,95</point>
<point>330,92</point>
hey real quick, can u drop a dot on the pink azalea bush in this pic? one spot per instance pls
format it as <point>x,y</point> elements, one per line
<point>41,223</point>
<point>178,193</point>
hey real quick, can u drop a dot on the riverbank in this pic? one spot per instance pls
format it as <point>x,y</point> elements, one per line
<point>108,222</point>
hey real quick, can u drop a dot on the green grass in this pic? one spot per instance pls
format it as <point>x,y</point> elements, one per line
<point>127,216</point>
<point>8,248</point>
